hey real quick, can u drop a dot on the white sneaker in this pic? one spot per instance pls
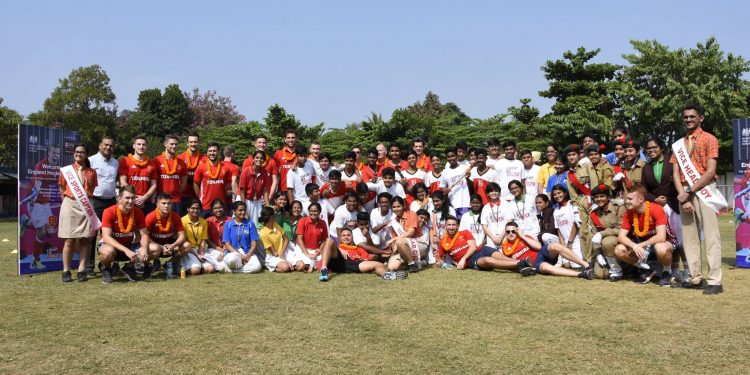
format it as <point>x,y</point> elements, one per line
<point>37,265</point>
<point>600,259</point>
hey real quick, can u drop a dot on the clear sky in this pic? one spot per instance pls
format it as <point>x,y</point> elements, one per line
<point>338,61</point>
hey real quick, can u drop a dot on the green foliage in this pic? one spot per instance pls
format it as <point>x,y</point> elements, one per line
<point>584,93</point>
<point>160,114</point>
<point>659,82</point>
<point>83,101</point>
<point>278,122</point>
<point>241,136</point>
<point>9,121</point>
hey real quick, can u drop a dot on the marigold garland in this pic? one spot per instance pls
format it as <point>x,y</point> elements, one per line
<point>140,164</point>
<point>167,169</point>
<point>212,175</point>
<point>508,251</point>
<point>159,226</point>
<point>444,242</point>
<point>287,156</point>
<point>646,221</point>
<point>131,221</point>
<point>421,163</point>
<point>193,164</point>
<point>266,161</point>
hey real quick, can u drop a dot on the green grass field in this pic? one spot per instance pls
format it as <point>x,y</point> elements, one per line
<point>436,321</point>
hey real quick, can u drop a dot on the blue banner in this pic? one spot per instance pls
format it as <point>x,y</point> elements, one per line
<point>742,189</point>
<point>41,153</point>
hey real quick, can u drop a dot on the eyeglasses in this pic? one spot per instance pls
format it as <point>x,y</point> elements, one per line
<point>510,231</point>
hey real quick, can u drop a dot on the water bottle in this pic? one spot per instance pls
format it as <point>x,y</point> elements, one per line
<point>138,264</point>
<point>169,269</point>
<point>182,272</point>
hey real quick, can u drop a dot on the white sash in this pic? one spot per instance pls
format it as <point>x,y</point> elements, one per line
<point>710,195</point>
<point>76,187</point>
<point>399,230</point>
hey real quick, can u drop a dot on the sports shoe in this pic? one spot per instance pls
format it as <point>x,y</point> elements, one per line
<point>24,220</point>
<point>414,267</point>
<point>615,278</point>
<point>323,274</point>
<point>82,276</point>
<point>115,268</point>
<point>666,279</point>
<point>37,265</point>
<point>395,275</point>
<point>528,271</point>
<point>645,276</point>
<point>713,289</point>
<point>106,275</point>
<point>587,273</point>
<point>130,273</point>
<point>524,263</point>
<point>156,266</point>
<point>90,272</point>
<point>147,271</point>
<point>67,277</point>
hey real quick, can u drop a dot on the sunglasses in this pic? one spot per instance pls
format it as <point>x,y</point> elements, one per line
<point>510,231</point>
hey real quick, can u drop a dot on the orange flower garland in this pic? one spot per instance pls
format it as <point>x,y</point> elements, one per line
<point>509,250</point>
<point>139,163</point>
<point>212,175</point>
<point>288,156</point>
<point>191,164</point>
<point>266,161</point>
<point>421,162</point>
<point>642,232</point>
<point>131,221</point>
<point>166,165</point>
<point>444,242</point>
<point>161,228</point>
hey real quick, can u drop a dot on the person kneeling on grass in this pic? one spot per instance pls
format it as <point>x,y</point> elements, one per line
<point>644,233</point>
<point>196,232</point>
<point>349,258</point>
<point>240,242</point>
<point>124,236</point>
<point>167,237</point>
<point>281,255</point>
<point>462,248</point>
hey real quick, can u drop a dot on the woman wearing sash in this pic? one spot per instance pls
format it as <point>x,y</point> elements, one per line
<point>75,226</point>
<point>404,230</point>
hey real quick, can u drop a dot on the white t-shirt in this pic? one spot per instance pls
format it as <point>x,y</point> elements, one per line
<point>495,216</point>
<point>472,223</point>
<point>413,178</point>
<point>377,219</point>
<point>343,218</point>
<point>494,162</point>
<point>395,190</point>
<point>430,179</point>
<point>345,177</point>
<point>325,209</point>
<point>507,171</point>
<point>459,195</point>
<point>524,214</point>
<point>298,178</point>
<point>530,179</point>
<point>360,238</point>
<point>490,175</point>
<point>415,206</point>
<point>565,218</point>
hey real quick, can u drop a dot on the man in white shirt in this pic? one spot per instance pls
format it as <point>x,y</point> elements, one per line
<point>530,174</point>
<point>105,192</point>
<point>298,177</point>
<point>508,169</point>
<point>381,217</point>
<point>346,215</point>
<point>387,184</point>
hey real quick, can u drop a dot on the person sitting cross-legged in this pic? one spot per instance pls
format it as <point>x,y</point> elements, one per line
<point>349,258</point>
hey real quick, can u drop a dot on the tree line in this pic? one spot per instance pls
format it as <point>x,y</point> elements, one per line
<point>646,94</point>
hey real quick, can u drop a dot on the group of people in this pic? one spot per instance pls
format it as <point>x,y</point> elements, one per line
<point>639,211</point>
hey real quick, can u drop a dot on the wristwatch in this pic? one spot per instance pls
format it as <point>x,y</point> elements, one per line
<point>688,190</point>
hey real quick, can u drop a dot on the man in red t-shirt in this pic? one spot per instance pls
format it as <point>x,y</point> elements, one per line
<point>286,158</point>
<point>172,172</point>
<point>192,158</point>
<point>211,180</point>
<point>124,236</point>
<point>140,172</point>
<point>423,160</point>
<point>462,248</point>
<point>269,164</point>
<point>645,232</point>
<point>167,234</point>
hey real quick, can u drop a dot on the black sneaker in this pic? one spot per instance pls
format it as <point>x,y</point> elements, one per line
<point>67,277</point>
<point>414,267</point>
<point>115,268</point>
<point>523,264</point>
<point>615,278</point>
<point>646,276</point>
<point>130,273</point>
<point>713,289</point>
<point>90,272</point>
<point>666,279</point>
<point>528,271</point>
<point>147,271</point>
<point>587,273</point>
<point>106,275</point>
<point>156,266</point>
<point>82,276</point>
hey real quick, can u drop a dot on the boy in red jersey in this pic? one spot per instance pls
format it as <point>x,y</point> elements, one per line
<point>124,236</point>
<point>286,158</point>
<point>142,173</point>
<point>211,180</point>
<point>644,233</point>
<point>167,236</point>
<point>349,258</point>
<point>172,172</point>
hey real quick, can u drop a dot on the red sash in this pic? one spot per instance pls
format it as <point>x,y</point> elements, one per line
<point>581,187</point>
<point>597,221</point>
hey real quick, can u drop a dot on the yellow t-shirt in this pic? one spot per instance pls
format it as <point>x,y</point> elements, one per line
<point>195,232</point>
<point>272,237</point>
<point>545,171</point>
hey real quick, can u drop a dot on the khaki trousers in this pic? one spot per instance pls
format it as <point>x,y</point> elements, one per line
<point>706,219</point>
